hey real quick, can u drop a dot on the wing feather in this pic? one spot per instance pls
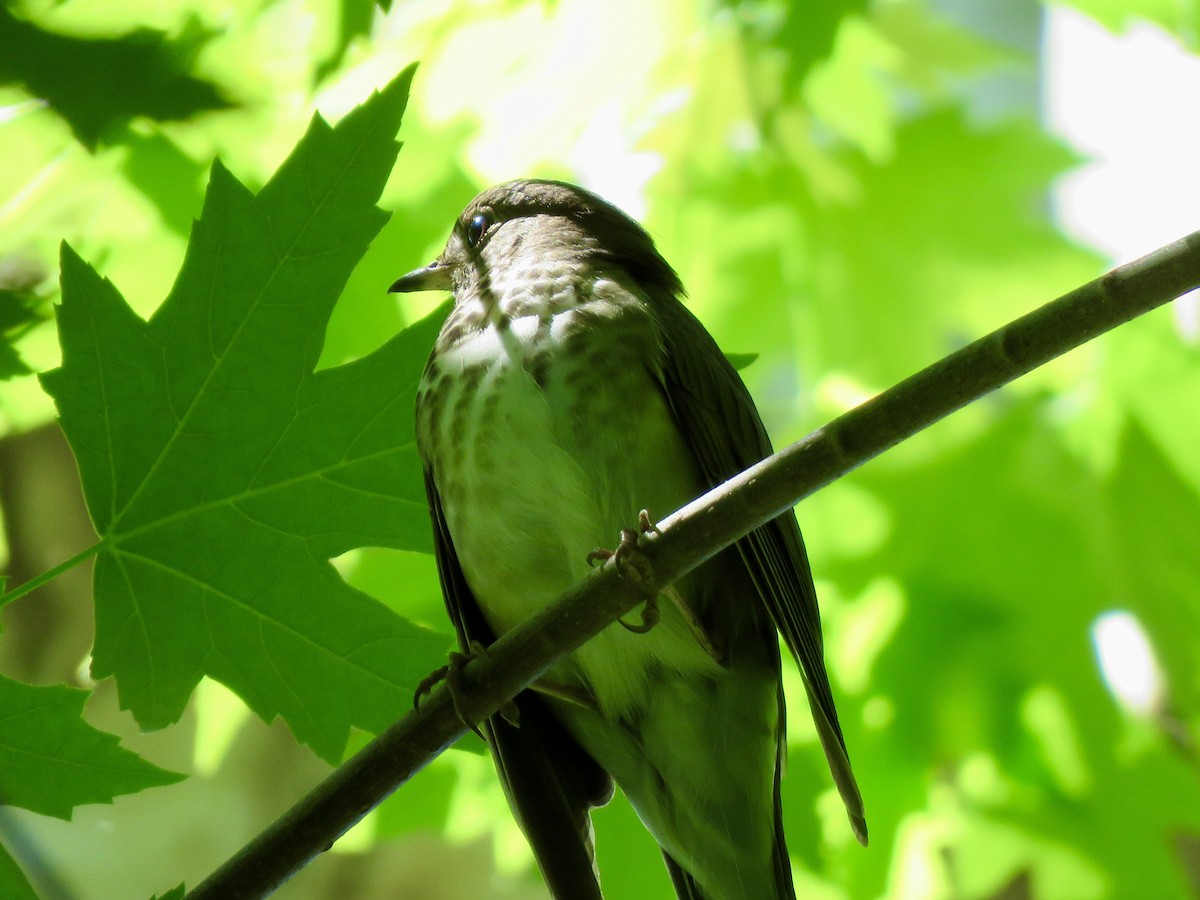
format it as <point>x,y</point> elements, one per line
<point>721,423</point>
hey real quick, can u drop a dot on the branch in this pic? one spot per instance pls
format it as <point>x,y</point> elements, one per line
<point>690,536</point>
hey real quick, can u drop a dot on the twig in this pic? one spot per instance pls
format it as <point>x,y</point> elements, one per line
<point>690,536</point>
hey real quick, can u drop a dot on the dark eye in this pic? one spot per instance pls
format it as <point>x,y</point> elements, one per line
<point>476,229</point>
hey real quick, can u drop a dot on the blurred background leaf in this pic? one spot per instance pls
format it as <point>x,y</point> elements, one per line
<point>849,190</point>
<point>99,84</point>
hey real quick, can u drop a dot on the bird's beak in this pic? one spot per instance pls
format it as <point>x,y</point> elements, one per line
<point>433,277</point>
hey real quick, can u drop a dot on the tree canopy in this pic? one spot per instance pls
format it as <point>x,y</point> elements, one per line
<point>849,191</point>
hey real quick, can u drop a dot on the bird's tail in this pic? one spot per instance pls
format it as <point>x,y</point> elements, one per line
<point>686,887</point>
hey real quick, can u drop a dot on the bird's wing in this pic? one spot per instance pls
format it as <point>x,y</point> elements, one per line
<point>550,781</point>
<point>720,422</point>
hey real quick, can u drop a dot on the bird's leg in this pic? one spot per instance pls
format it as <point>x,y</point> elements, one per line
<point>451,674</point>
<point>694,625</point>
<point>631,564</point>
<point>639,570</point>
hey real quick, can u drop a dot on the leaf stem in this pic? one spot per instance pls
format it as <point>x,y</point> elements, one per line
<point>50,574</point>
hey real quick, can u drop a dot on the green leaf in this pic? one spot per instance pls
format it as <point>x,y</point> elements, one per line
<point>1154,536</point>
<point>1120,15</point>
<point>915,251</point>
<point>804,33</point>
<point>52,761</point>
<point>109,80</point>
<point>741,361</point>
<point>1008,549</point>
<point>166,176</point>
<point>16,312</point>
<point>13,883</point>
<point>355,20</point>
<point>175,893</point>
<point>223,473</point>
<point>19,277</point>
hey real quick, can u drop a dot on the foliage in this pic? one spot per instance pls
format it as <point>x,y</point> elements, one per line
<point>109,81</point>
<point>222,474</point>
<point>843,205</point>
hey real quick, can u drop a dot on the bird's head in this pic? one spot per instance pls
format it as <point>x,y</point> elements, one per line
<point>532,230</point>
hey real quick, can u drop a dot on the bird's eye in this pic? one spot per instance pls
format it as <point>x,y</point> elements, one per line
<point>476,229</point>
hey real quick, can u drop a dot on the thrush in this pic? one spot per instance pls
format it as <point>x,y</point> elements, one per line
<point>570,389</point>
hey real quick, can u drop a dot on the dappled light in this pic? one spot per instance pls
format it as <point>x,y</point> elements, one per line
<point>848,191</point>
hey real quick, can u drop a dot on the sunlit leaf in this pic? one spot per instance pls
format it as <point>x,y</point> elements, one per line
<point>13,883</point>
<point>223,474</point>
<point>1010,548</point>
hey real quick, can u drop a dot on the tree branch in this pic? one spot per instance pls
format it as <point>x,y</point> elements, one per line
<point>689,537</point>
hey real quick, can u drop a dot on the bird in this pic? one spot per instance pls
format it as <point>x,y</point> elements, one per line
<point>569,391</point>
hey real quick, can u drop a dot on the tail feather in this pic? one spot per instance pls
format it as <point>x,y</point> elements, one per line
<point>839,767</point>
<point>686,887</point>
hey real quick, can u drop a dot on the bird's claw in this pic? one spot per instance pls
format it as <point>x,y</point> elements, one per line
<point>430,681</point>
<point>645,525</point>
<point>451,674</point>
<point>633,566</point>
<point>649,618</point>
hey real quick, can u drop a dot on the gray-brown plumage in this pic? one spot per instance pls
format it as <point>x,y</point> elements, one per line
<point>569,389</point>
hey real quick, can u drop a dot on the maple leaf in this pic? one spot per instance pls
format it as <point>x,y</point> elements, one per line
<point>111,80</point>
<point>13,883</point>
<point>52,761</point>
<point>223,473</point>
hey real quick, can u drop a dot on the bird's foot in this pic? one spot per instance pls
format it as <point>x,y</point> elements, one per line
<point>632,565</point>
<point>645,525</point>
<point>451,674</point>
<point>650,616</point>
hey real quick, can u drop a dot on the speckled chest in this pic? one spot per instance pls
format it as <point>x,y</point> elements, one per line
<point>542,421</point>
<point>575,342</point>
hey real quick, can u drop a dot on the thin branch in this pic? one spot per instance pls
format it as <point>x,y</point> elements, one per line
<point>690,536</point>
